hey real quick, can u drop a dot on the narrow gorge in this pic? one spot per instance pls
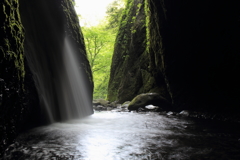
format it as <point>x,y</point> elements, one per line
<point>185,52</point>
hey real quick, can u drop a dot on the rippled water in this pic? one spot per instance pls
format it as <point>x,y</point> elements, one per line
<point>128,136</point>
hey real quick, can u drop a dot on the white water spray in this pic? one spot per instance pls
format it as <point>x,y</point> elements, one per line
<point>59,79</point>
<point>74,100</point>
<point>73,97</point>
<point>53,51</point>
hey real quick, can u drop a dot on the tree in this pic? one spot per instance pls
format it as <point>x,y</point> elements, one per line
<point>99,43</point>
<point>114,13</point>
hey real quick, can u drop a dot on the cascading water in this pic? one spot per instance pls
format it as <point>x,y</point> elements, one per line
<point>63,86</point>
<point>54,52</point>
<point>75,101</point>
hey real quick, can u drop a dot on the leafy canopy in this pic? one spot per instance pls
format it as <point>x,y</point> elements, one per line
<point>99,41</point>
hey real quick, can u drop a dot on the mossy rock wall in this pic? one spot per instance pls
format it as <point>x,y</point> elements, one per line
<point>52,32</point>
<point>18,97</point>
<point>131,73</point>
<point>189,51</point>
<point>27,28</point>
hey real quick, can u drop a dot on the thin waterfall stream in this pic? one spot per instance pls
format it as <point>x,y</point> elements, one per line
<point>56,56</point>
<point>61,88</point>
<point>130,136</point>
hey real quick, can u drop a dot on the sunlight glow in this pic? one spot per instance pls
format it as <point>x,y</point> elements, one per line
<point>91,11</point>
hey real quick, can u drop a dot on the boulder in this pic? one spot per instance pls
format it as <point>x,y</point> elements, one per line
<point>100,108</point>
<point>184,113</point>
<point>114,104</point>
<point>101,102</point>
<point>145,99</point>
<point>126,104</point>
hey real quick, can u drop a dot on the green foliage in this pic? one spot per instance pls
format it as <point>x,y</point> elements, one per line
<point>147,13</point>
<point>12,46</point>
<point>114,14</point>
<point>99,43</point>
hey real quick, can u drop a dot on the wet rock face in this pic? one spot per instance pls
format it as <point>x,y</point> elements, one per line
<point>18,95</point>
<point>145,99</point>
<point>25,29</point>
<point>192,55</point>
<point>53,38</point>
<point>131,73</point>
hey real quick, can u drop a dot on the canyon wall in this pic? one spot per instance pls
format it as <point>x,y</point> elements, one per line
<point>187,51</point>
<point>31,27</point>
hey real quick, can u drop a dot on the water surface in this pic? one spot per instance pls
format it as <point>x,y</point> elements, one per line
<point>128,136</point>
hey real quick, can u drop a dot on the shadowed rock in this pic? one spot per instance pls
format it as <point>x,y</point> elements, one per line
<point>145,99</point>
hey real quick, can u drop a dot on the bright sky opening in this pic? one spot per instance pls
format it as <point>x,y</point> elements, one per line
<point>91,11</point>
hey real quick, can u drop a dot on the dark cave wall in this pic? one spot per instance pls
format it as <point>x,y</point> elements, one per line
<point>192,52</point>
<point>200,42</point>
<point>15,78</point>
<point>25,29</point>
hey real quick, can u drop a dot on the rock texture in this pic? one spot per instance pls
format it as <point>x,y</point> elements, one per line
<point>145,99</point>
<point>52,34</point>
<point>27,28</point>
<point>131,70</point>
<point>18,96</point>
<point>187,51</point>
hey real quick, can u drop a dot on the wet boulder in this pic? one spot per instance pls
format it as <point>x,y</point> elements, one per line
<point>101,102</point>
<point>114,104</point>
<point>145,99</point>
<point>184,113</point>
<point>126,104</point>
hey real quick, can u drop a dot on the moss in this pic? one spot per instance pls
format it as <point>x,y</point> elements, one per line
<point>76,33</point>
<point>147,23</point>
<point>148,80</point>
<point>129,45</point>
<point>13,46</point>
<point>155,44</point>
<point>136,54</point>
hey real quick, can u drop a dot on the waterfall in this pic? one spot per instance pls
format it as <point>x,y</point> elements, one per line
<point>73,90</point>
<point>54,53</point>
<point>62,89</point>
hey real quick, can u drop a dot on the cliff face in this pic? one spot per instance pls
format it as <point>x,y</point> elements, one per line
<point>131,70</point>
<point>54,43</point>
<point>192,52</point>
<point>34,29</point>
<point>13,102</point>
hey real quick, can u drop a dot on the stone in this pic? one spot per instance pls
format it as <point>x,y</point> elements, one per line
<point>170,113</point>
<point>100,108</point>
<point>145,99</point>
<point>184,113</point>
<point>126,104</point>
<point>113,104</point>
<point>102,102</point>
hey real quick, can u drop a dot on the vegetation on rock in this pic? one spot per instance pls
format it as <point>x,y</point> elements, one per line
<point>12,72</point>
<point>142,100</point>
<point>19,103</point>
<point>132,69</point>
<point>99,41</point>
